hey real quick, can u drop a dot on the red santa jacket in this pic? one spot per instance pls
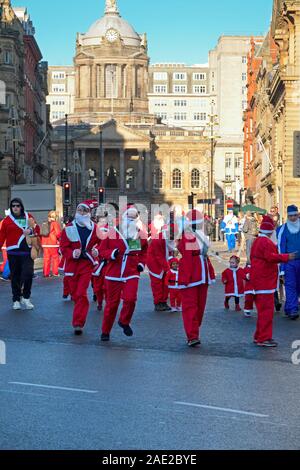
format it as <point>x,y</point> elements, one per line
<point>233,279</point>
<point>158,256</point>
<point>264,265</point>
<point>247,278</point>
<point>123,263</point>
<point>70,241</point>
<point>101,269</point>
<point>194,268</point>
<point>172,279</point>
<point>12,234</point>
<point>4,244</point>
<point>52,241</point>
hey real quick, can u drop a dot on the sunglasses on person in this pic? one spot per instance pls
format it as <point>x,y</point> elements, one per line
<point>16,205</point>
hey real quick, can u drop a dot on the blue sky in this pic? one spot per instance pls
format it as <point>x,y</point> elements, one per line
<point>178,30</point>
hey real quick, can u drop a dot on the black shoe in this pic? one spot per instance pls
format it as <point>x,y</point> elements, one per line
<point>278,307</point>
<point>104,337</point>
<point>193,343</point>
<point>159,308</point>
<point>94,298</point>
<point>126,328</point>
<point>78,331</point>
<point>65,297</point>
<point>166,307</point>
<point>294,317</point>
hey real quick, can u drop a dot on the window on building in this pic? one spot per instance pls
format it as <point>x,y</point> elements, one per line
<point>130,178</point>
<point>228,159</point>
<point>179,89</point>
<point>244,90</point>
<point>160,76</point>
<point>179,76</point>
<point>199,89</point>
<point>244,59</point>
<point>58,75</point>
<point>158,179</point>
<point>58,88</point>
<point>8,100</point>
<point>244,77</point>
<point>180,116</point>
<point>111,81</point>
<point>180,103</point>
<point>199,76</point>
<point>163,116</point>
<point>160,104</point>
<point>213,88</point>
<point>8,58</point>
<point>244,104</point>
<point>176,179</point>
<point>238,161</point>
<point>160,89</point>
<point>195,179</point>
<point>111,178</point>
<point>199,116</point>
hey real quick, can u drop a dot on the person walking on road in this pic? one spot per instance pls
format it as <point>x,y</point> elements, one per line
<point>250,231</point>
<point>264,274</point>
<point>16,230</point>
<point>50,236</point>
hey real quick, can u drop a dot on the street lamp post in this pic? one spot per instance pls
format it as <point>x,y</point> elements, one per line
<point>101,162</point>
<point>212,124</point>
<point>66,156</point>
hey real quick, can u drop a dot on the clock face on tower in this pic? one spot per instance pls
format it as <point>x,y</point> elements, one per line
<point>111,35</point>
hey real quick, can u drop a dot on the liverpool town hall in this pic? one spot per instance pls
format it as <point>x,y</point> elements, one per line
<point>112,140</point>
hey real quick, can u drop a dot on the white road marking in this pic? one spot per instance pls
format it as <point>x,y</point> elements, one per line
<point>54,387</point>
<point>228,410</point>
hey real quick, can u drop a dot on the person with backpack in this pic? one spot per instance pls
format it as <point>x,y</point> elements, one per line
<point>50,236</point>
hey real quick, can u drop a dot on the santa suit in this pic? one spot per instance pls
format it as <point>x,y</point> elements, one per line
<point>50,245</point>
<point>4,254</point>
<point>233,279</point>
<point>231,227</point>
<point>249,291</point>
<point>66,284</point>
<point>98,277</point>
<point>171,281</point>
<point>122,276</point>
<point>158,265</point>
<point>264,278</point>
<point>196,273</point>
<point>79,271</point>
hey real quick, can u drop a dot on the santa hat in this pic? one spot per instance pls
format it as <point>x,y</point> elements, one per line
<point>173,260</point>
<point>267,225</point>
<point>194,217</point>
<point>292,210</point>
<point>131,212</point>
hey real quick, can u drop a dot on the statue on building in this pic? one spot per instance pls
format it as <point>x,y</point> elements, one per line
<point>111,6</point>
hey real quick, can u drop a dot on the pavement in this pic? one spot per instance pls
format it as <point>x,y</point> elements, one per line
<point>147,392</point>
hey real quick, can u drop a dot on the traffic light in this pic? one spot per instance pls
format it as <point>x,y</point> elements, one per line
<point>101,195</point>
<point>67,194</point>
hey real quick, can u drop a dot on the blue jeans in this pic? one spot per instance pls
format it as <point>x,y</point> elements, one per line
<point>231,241</point>
<point>292,287</point>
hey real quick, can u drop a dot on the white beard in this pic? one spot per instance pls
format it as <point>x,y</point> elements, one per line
<point>293,227</point>
<point>84,221</point>
<point>130,229</point>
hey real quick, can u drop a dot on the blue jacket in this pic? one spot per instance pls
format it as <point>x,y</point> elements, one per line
<point>287,242</point>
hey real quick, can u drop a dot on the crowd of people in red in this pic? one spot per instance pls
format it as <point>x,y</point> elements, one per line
<point>112,254</point>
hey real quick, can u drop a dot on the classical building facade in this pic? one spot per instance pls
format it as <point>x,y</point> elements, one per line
<point>24,121</point>
<point>113,140</point>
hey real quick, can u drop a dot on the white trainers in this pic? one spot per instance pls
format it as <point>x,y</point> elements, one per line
<point>27,304</point>
<point>17,306</point>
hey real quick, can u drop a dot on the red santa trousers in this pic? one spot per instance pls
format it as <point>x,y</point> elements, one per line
<point>160,290</point>
<point>175,298</point>
<point>265,305</point>
<point>249,302</point>
<point>193,307</point>
<point>51,256</point>
<point>4,256</point>
<point>67,287</point>
<point>115,292</point>
<point>79,284</point>
<point>99,286</point>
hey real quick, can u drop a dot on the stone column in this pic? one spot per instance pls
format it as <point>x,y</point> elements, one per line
<point>119,82</point>
<point>122,170</point>
<point>148,171</point>
<point>78,81</point>
<point>83,169</point>
<point>94,81</point>
<point>140,176</point>
<point>129,81</point>
<point>134,86</point>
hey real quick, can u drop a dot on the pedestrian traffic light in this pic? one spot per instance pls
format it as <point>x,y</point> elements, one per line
<point>67,194</point>
<point>101,195</point>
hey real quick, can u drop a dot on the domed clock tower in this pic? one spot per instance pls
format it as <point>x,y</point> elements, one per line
<point>111,65</point>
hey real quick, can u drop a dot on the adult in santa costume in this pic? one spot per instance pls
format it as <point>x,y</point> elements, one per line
<point>196,273</point>
<point>233,279</point>
<point>125,250</point>
<point>98,278</point>
<point>172,280</point>
<point>264,277</point>
<point>79,246</point>
<point>230,227</point>
<point>15,230</point>
<point>50,245</point>
<point>289,242</point>
<point>249,292</point>
<point>4,257</point>
<point>160,248</point>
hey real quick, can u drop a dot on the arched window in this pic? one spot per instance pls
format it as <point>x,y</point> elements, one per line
<point>177,179</point>
<point>111,178</point>
<point>195,179</point>
<point>158,179</point>
<point>130,178</point>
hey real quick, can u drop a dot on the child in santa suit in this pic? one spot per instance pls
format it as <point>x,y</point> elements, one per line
<point>158,265</point>
<point>172,284</point>
<point>125,250</point>
<point>233,279</point>
<point>249,292</point>
<point>195,275</point>
<point>264,277</point>
<point>98,279</point>
<point>79,246</point>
